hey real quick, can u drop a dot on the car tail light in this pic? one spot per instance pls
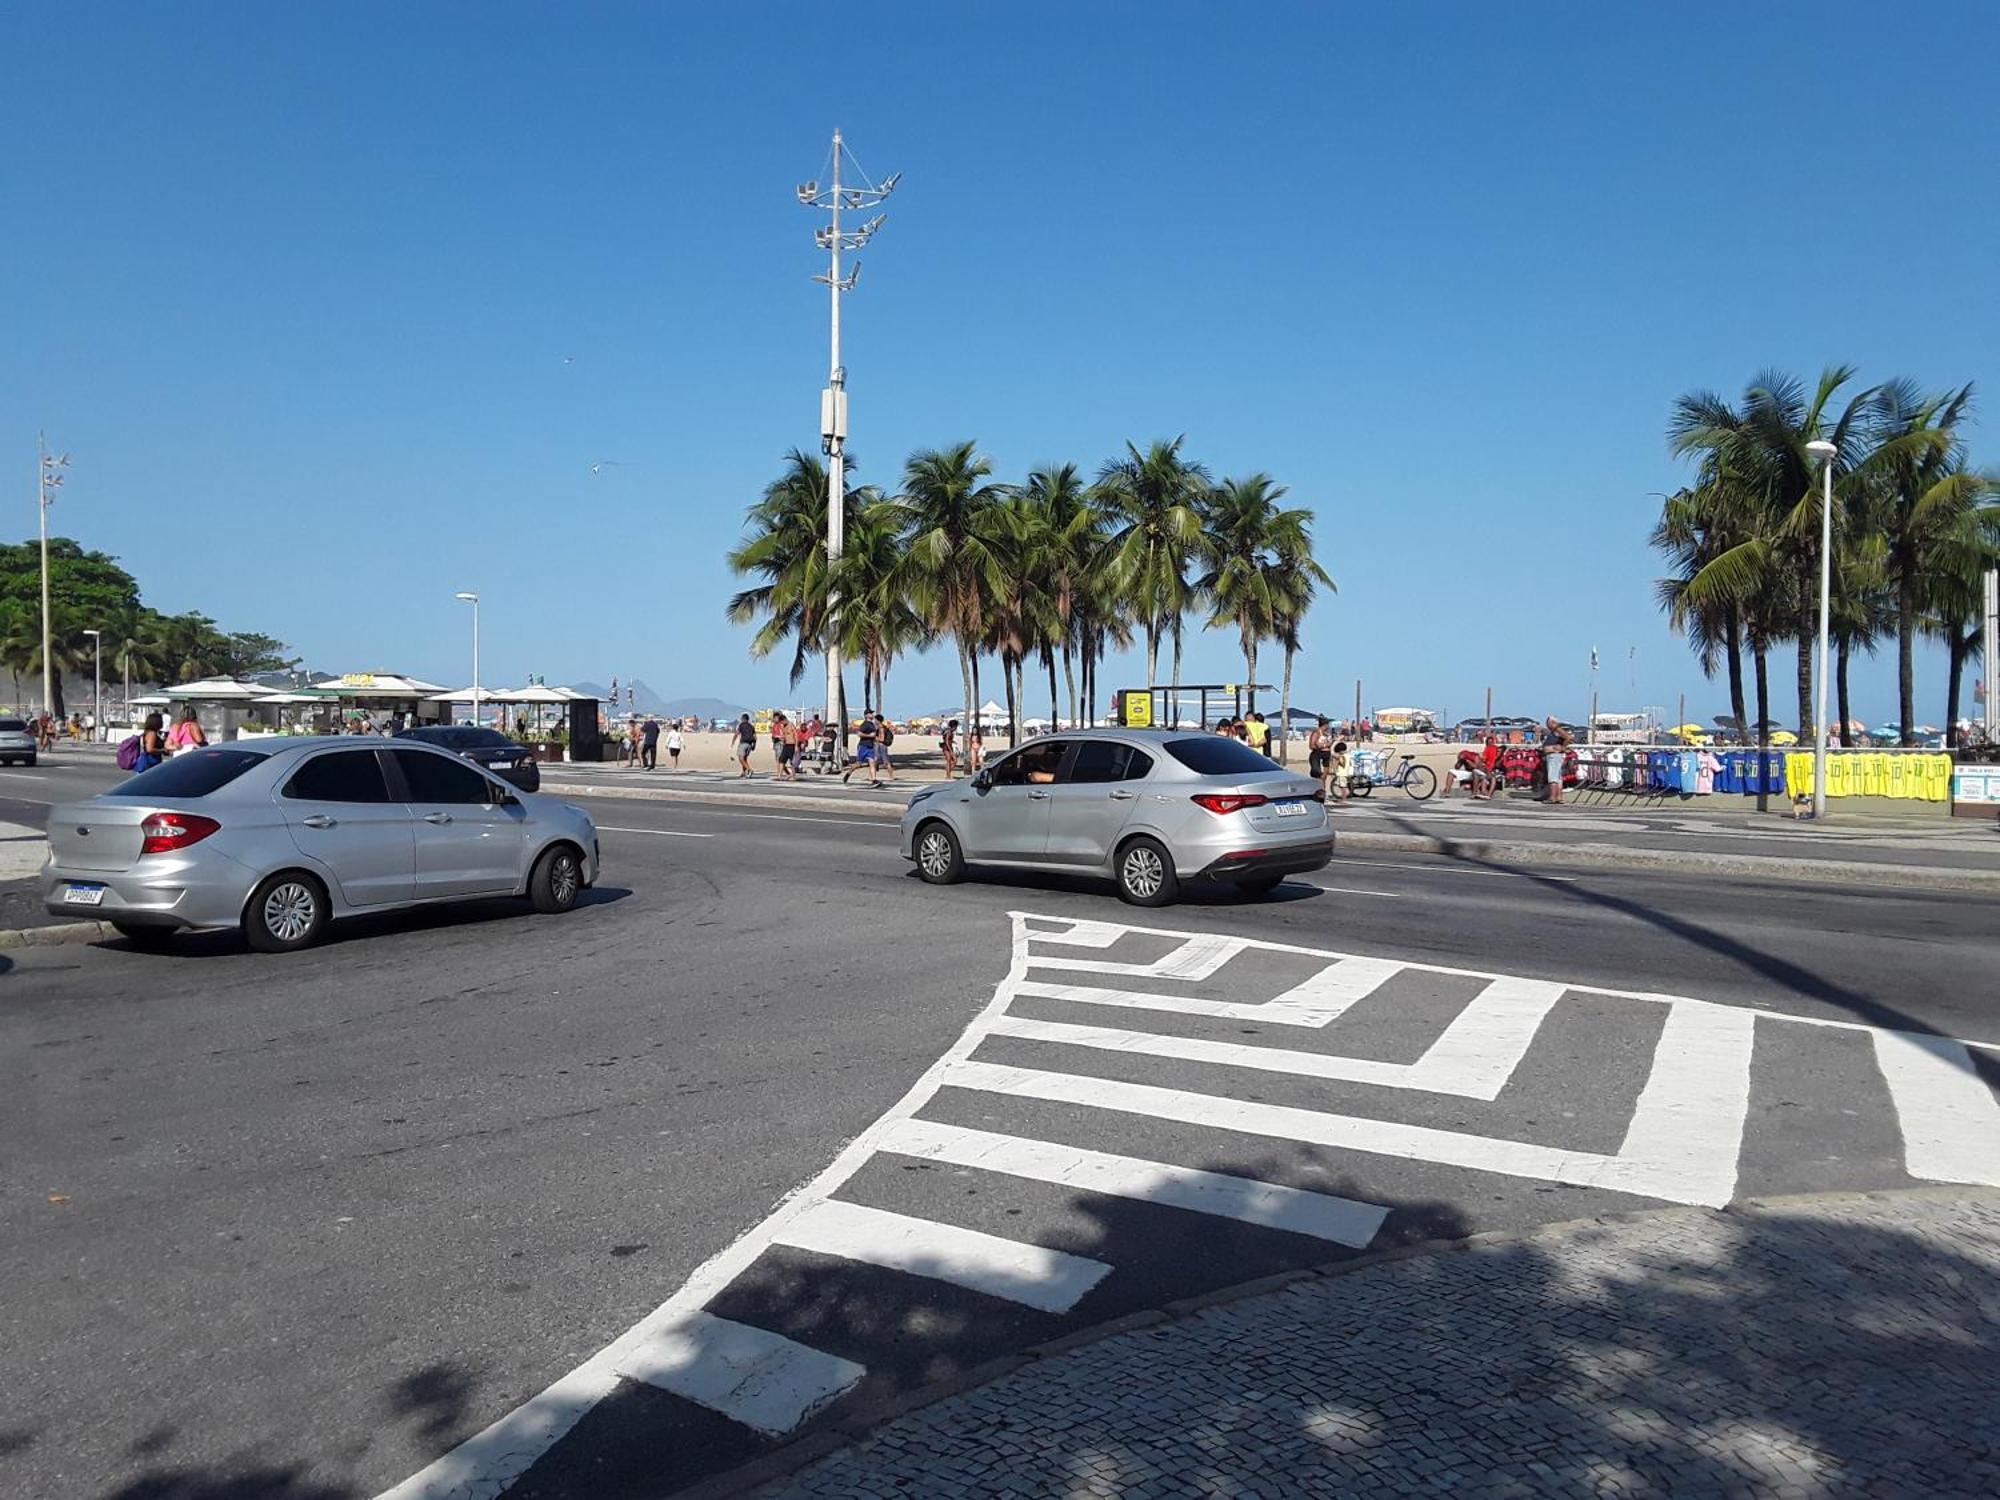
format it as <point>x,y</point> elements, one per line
<point>1222,804</point>
<point>165,832</point>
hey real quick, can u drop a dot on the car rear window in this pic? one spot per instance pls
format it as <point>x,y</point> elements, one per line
<point>191,773</point>
<point>482,739</point>
<point>1219,755</point>
<point>12,726</point>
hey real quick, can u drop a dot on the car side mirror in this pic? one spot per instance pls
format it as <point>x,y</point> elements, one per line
<point>982,781</point>
<point>505,799</point>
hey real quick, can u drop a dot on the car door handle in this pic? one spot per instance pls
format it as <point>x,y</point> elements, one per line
<point>1123,796</point>
<point>317,820</point>
<point>1038,796</point>
<point>437,817</point>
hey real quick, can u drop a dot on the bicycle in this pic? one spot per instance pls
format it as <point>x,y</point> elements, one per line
<point>1419,781</point>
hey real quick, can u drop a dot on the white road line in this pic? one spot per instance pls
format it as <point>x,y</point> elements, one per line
<point>1317,1001</point>
<point>1687,1130</point>
<point>1198,957</point>
<point>1948,1115</point>
<point>1472,1058</point>
<point>1376,1137</point>
<point>1270,1204</point>
<point>665,833</point>
<point>759,1378</point>
<point>1356,890</point>
<point>1051,1280</point>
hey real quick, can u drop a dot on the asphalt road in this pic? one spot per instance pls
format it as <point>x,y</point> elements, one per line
<point>299,1226</point>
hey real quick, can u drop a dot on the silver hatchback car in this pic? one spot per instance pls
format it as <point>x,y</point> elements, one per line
<point>1151,808</point>
<point>17,742</point>
<point>279,839</point>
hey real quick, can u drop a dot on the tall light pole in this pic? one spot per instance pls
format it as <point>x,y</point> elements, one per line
<point>833,400</point>
<point>49,479</point>
<point>473,600</point>
<point>1825,452</point>
<point>96,684</point>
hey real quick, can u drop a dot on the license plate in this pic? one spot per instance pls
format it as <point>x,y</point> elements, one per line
<point>1290,809</point>
<point>83,895</point>
<point>500,765</point>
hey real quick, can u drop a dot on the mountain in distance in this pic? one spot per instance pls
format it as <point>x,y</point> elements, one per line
<point>646,701</point>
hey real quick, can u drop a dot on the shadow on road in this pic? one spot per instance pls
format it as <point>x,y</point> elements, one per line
<point>1202,893</point>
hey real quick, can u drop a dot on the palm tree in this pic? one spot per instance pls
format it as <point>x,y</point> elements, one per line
<point>1696,526</point>
<point>786,548</point>
<point>1955,595</point>
<point>1250,549</point>
<point>1297,585</point>
<point>956,551</point>
<point>20,641</point>
<point>137,649</point>
<point>1925,493</point>
<point>1153,503</point>
<point>876,622</point>
<point>1069,535</point>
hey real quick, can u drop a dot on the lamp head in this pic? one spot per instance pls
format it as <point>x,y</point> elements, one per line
<point>1822,450</point>
<point>469,598</point>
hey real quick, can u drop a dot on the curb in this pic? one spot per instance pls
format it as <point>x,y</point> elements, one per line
<point>783,1463</point>
<point>54,934</point>
<point>1508,851</point>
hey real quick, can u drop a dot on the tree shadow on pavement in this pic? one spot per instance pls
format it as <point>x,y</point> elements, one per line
<point>1802,1351</point>
<point>1793,977</point>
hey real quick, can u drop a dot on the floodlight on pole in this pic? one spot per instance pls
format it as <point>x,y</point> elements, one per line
<point>473,599</point>
<point>1826,453</point>
<point>839,195</point>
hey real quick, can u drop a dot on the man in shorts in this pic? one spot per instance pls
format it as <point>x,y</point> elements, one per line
<point>864,750</point>
<point>746,744</point>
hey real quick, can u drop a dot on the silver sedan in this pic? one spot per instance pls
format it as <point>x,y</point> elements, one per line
<point>281,838</point>
<point>1153,809</point>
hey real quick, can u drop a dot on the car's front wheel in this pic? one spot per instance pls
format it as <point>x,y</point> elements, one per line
<point>557,880</point>
<point>287,912</point>
<point>1146,873</point>
<point>939,858</point>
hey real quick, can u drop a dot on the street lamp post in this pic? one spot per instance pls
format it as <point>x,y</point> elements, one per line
<point>1825,452</point>
<point>473,600</point>
<point>96,684</point>
<point>49,479</point>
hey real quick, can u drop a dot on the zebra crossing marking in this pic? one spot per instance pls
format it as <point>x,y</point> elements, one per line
<point>1681,1145</point>
<point>1950,1119</point>
<point>759,1378</point>
<point>1270,1204</point>
<point>1051,1280</point>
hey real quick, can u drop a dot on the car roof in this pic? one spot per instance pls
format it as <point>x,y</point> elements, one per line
<point>1126,736</point>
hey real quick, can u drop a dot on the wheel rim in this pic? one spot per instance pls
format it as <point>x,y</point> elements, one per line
<point>1143,871</point>
<point>562,879</point>
<point>289,911</point>
<point>935,854</point>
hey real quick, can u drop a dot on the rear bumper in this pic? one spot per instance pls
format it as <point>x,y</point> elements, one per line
<point>200,893</point>
<point>1285,859</point>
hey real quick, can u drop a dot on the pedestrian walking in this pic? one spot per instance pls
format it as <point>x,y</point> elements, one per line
<point>1333,779</point>
<point>152,742</point>
<point>674,746</point>
<point>746,746</point>
<point>186,735</point>
<point>948,743</point>
<point>635,736</point>
<point>882,744</point>
<point>1256,733</point>
<point>975,748</point>
<point>649,742</point>
<point>867,742</point>
<point>785,744</point>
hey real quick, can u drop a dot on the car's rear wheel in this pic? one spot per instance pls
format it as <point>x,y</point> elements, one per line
<point>939,858</point>
<point>1259,885</point>
<point>286,912</point>
<point>1146,873</point>
<point>141,935</point>
<point>557,879</point>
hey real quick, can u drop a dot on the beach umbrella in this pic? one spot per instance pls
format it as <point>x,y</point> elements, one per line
<point>1687,729</point>
<point>1783,737</point>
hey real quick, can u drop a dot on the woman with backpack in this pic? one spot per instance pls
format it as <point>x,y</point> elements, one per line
<point>152,743</point>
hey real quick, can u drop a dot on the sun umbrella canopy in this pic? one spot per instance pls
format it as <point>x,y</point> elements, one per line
<point>534,692</point>
<point>1687,729</point>
<point>216,690</point>
<point>1784,737</point>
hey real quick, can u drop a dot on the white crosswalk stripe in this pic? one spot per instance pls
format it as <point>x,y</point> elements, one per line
<point>1033,1093</point>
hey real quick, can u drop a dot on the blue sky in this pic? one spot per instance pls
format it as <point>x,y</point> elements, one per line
<point>336,306</point>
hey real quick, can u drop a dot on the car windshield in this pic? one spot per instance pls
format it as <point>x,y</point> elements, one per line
<point>192,773</point>
<point>1219,755</point>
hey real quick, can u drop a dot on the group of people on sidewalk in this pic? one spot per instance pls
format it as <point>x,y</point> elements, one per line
<point>642,744</point>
